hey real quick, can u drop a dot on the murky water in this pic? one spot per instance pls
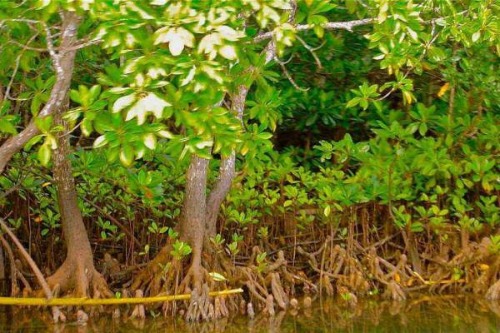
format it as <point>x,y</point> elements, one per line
<point>426,314</point>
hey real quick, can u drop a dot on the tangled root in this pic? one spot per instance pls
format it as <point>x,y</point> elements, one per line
<point>395,292</point>
<point>277,290</point>
<point>200,307</point>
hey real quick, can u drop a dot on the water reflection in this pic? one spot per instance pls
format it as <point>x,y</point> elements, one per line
<point>424,314</point>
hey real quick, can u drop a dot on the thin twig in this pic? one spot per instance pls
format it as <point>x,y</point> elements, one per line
<point>79,46</point>
<point>288,76</point>
<point>311,50</point>
<point>16,68</point>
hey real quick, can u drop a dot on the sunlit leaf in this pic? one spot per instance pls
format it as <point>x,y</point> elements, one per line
<point>443,89</point>
<point>100,142</point>
<point>150,140</point>
<point>165,134</point>
<point>177,39</point>
<point>150,103</point>
<point>126,155</point>
<point>217,276</point>
<point>228,52</point>
<point>327,211</point>
<point>123,102</point>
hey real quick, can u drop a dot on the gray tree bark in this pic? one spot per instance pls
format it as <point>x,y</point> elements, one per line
<point>63,63</point>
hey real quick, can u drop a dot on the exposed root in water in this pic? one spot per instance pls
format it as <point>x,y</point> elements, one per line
<point>79,278</point>
<point>139,312</point>
<point>267,285</point>
<point>354,270</point>
<point>347,269</point>
<point>200,307</point>
<point>395,292</point>
<point>162,276</point>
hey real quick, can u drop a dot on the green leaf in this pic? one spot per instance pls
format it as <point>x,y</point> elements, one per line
<point>265,135</point>
<point>126,155</point>
<point>44,124</point>
<point>353,102</point>
<point>417,227</point>
<point>319,31</point>
<point>74,95</point>
<point>7,127</point>
<point>95,91</point>
<point>44,154</point>
<point>33,141</point>
<point>86,127</point>
<point>35,104</point>
<point>422,129</point>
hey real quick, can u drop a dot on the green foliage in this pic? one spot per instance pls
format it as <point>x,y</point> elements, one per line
<point>218,240</point>
<point>494,248</point>
<point>400,113</point>
<point>261,261</point>
<point>180,250</point>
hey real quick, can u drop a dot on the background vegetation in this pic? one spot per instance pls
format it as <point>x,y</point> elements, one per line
<point>360,139</point>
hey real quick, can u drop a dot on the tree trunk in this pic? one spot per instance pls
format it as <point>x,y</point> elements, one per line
<point>227,170</point>
<point>199,220</point>
<point>63,64</point>
<point>192,226</point>
<point>226,175</point>
<point>77,272</point>
<point>199,215</point>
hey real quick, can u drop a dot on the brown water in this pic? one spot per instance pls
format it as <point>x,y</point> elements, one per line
<point>426,314</point>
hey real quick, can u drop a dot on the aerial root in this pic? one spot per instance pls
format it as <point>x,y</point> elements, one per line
<point>139,312</point>
<point>80,280</point>
<point>200,307</point>
<point>395,292</point>
<point>278,292</point>
<point>267,286</point>
<point>269,308</point>
<point>220,308</point>
<point>57,315</point>
<point>493,292</point>
<point>326,285</point>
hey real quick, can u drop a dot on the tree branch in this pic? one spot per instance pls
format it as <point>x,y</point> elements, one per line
<point>63,64</point>
<point>346,25</point>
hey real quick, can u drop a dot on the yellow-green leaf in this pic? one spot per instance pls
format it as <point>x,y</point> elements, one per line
<point>327,211</point>
<point>127,155</point>
<point>217,276</point>
<point>44,154</point>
